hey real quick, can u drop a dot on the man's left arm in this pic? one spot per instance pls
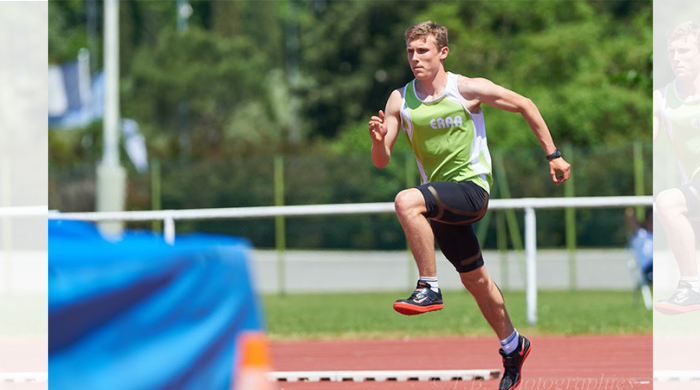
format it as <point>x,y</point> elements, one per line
<point>494,95</point>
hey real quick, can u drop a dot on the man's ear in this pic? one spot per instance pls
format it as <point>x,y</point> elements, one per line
<point>443,52</point>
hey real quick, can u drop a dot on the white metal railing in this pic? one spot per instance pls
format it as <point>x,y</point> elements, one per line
<point>528,204</point>
<point>24,211</point>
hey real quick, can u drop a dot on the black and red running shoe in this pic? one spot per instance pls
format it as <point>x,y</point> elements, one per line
<point>421,301</point>
<point>513,364</point>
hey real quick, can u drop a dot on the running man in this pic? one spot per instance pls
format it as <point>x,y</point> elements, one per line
<point>677,111</point>
<point>440,112</point>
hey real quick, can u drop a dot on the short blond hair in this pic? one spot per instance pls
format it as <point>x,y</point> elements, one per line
<point>684,30</point>
<point>425,29</point>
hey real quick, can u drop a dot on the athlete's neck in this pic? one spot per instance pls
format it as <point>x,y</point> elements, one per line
<point>688,88</point>
<point>433,87</point>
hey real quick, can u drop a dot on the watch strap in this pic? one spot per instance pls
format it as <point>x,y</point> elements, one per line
<point>555,154</point>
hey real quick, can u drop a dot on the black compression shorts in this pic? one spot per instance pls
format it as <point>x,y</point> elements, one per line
<point>452,209</point>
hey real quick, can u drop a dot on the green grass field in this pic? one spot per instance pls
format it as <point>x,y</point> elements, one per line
<point>364,315</point>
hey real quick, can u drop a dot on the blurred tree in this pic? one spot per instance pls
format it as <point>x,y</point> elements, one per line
<point>587,67</point>
<point>229,110</point>
<point>67,30</point>
<point>585,63</point>
<point>352,55</point>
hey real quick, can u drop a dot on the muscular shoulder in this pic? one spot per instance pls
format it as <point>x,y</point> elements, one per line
<point>395,100</point>
<point>473,87</point>
<point>397,93</point>
<point>393,105</point>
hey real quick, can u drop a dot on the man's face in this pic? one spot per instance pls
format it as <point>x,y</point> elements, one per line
<point>424,57</point>
<point>684,56</point>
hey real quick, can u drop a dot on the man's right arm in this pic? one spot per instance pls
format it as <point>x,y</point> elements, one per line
<point>384,130</point>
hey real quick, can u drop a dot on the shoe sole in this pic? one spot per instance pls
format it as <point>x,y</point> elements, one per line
<point>672,310</point>
<point>520,378</point>
<point>411,310</point>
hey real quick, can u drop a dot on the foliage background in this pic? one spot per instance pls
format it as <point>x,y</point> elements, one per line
<point>251,80</point>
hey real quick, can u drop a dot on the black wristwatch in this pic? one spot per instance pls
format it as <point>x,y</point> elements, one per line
<point>554,155</point>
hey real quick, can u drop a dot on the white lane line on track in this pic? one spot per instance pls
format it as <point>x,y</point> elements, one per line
<point>381,376</point>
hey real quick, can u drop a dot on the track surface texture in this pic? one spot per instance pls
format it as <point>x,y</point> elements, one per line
<point>555,363</point>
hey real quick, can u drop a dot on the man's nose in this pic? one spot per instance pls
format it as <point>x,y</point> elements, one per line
<point>675,57</point>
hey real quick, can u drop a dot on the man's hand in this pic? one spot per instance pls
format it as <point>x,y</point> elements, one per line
<point>384,128</point>
<point>377,128</point>
<point>559,169</point>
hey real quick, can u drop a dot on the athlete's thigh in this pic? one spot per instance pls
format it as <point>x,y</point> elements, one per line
<point>454,203</point>
<point>459,245</point>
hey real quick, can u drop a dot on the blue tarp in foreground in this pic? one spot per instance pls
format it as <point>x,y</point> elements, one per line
<point>142,314</point>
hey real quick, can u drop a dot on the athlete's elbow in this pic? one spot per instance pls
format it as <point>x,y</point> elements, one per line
<point>527,106</point>
<point>381,164</point>
<point>380,161</point>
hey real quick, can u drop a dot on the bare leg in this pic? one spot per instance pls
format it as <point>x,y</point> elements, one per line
<point>489,299</point>
<point>410,207</point>
<point>672,209</point>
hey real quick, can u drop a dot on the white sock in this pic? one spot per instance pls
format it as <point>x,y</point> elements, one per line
<point>693,282</point>
<point>510,344</point>
<point>434,285</point>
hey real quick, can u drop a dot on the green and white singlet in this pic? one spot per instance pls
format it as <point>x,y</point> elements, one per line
<point>681,120</point>
<point>449,141</point>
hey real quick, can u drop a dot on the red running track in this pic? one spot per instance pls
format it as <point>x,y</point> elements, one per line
<point>555,363</point>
